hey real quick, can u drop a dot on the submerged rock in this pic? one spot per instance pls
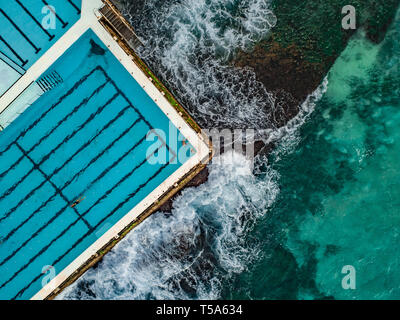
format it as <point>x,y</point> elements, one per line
<point>305,44</point>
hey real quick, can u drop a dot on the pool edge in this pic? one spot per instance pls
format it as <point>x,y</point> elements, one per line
<point>113,242</point>
<point>47,293</point>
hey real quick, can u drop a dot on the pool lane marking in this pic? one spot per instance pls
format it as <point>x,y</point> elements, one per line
<point>42,206</point>
<point>105,171</point>
<point>66,139</point>
<point>80,172</point>
<point>30,194</point>
<point>22,201</point>
<point>78,10</point>
<point>51,36</point>
<point>119,206</point>
<point>104,151</point>
<point>84,102</point>
<point>76,221</point>
<point>58,191</point>
<point>87,143</point>
<point>21,32</point>
<point>15,53</point>
<point>61,99</point>
<point>16,184</point>
<point>77,130</point>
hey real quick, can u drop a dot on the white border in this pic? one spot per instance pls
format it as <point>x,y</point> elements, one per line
<point>89,20</point>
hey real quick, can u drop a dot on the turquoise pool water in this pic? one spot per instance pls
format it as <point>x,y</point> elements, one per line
<point>84,139</point>
<point>29,29</point>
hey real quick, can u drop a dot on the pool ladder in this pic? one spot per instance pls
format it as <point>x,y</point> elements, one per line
<point>49,82</point>
<point>120,25</point>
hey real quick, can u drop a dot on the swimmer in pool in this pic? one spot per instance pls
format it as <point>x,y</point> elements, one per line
<point>77,201</point>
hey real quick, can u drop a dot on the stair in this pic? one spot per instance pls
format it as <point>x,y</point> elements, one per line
<point>49,82</point>
<point>120,26</point>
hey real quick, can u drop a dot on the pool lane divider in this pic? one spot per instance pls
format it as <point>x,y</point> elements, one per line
<point>85,101</point>
<point>119,206</point>
<point>140,114</point>
<point>61,99</point>
<point>16,184</point>
<point>51,36</point>
<point>37,50</point>
<point>42,206</point>
<point>83,170</point>
<point>64,23</point>
<point>66,139</point>
<point>78,10</point>
<point>62,210</point>
<point>76,221</point>
<point>105,150</point>
<point>47,178</point>
<point>12,167</point>
<point>76,131</point>
<point>15,53</point>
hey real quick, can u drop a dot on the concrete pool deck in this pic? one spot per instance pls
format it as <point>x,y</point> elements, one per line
<point>90,19</point>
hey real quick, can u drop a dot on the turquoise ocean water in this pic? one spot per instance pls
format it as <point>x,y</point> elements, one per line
<point>327,197</point>
<point>340,188</point>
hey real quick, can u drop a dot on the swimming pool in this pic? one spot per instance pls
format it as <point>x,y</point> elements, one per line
<point>84,139</point>
<point>29,29</point>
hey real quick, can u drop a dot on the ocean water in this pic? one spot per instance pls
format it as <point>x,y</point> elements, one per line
<point>327,197</point>
<point>339,189</point>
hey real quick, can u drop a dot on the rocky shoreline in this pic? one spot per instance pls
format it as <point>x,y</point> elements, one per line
<point>304,45</point>
<point>301,49</point>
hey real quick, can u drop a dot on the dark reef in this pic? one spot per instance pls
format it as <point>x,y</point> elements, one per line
<point>300,50</point>
<point>306,42</point>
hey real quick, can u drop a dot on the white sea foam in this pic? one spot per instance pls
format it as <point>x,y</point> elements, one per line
<point>193,251</point>
<point>190,43</point>
<point>288,134</point>
<point>188,253</point>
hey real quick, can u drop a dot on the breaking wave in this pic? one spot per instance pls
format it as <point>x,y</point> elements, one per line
<point>186,254</point>
<point>191,252</point>
<point>190,44</point>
